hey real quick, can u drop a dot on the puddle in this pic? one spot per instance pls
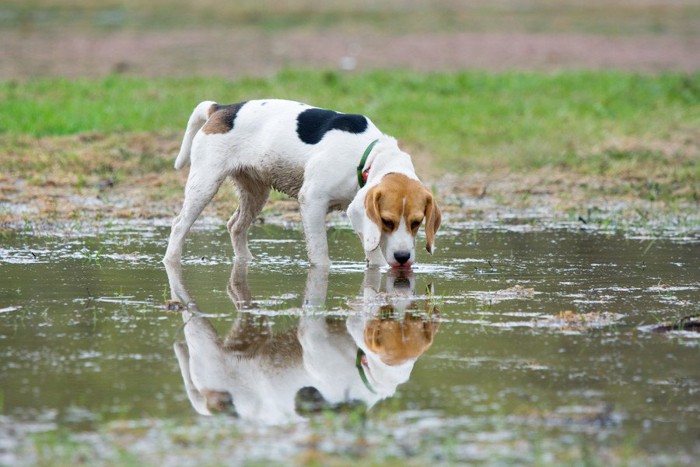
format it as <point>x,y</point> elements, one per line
<point>508,345</point>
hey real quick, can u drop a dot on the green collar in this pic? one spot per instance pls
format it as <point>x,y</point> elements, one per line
<point>362,173</point>
<point>361,370</point>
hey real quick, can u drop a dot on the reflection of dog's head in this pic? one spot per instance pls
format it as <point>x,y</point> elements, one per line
<point>396,341</point>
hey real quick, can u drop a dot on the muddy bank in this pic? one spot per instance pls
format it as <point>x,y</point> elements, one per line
<point>92,178</point>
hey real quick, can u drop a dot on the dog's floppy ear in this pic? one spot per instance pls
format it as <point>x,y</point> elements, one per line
<point>432,222</point>
<point>364,217</point>
<point>372,231</point>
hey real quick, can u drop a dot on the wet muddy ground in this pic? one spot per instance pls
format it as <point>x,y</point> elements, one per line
<point>515,342</point>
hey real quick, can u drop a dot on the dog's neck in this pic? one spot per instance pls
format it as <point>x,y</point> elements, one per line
<point>388,158</point>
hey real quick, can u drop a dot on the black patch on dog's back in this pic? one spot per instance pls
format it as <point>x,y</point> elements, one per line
<point>221,118</point>
<point>313,124</point>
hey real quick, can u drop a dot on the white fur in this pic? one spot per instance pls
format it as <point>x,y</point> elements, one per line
<point>264,145</point>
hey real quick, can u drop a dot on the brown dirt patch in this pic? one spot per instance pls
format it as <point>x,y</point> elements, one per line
<point>239,52</point>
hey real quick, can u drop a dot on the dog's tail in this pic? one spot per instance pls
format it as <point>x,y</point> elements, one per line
<point>199,116</point>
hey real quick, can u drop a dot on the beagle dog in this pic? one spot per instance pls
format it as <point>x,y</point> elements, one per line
<point>326,159</point>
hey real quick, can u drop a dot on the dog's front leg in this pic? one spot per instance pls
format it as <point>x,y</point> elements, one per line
<point>316,287</point>
<point>313,217</point>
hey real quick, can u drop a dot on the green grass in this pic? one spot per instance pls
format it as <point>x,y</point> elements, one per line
<point>594,121</point>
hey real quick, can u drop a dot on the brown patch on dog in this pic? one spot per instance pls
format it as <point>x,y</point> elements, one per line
<point>284,176</point>
<point>221,118</point>
<point>396,341</point>
<point>385,203</point>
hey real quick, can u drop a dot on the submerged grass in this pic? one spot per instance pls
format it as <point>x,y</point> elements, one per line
<point>332,439</point>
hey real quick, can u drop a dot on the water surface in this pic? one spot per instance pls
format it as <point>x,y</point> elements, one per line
<point>508,340</point>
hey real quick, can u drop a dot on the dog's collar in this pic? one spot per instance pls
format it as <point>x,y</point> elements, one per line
<point>361,369</point>
<point>363,173</point>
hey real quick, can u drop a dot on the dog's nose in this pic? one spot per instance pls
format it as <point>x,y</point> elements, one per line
<point>402,256</point>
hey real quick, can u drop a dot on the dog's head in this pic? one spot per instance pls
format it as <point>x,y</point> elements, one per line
<point>394,210</point>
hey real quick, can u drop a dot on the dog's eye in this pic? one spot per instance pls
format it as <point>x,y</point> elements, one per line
<point>389,225</point>
<point>415,225</point>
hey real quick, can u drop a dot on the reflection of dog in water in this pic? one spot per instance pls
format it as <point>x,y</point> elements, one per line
<point>325,362</point>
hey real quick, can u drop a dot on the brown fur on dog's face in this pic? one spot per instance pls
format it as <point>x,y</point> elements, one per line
<point>399,198</point>
<point>396,341</point>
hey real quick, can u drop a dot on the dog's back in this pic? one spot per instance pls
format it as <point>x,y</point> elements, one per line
<point>274,139</point>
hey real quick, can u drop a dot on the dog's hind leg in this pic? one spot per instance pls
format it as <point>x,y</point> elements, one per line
<point>252,196</point>
<point>199,190</point>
